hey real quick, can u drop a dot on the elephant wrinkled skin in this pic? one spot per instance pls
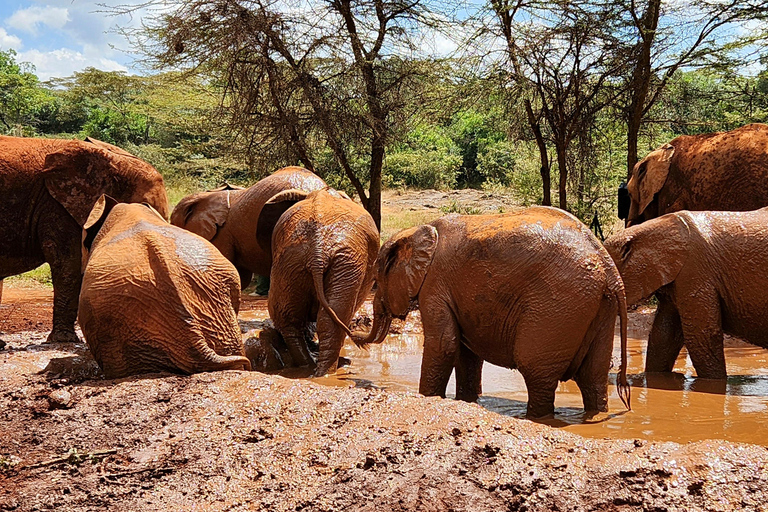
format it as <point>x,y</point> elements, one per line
<point>227,217</point>
<point>532,290</point>
<point>710,270</point>
<point>48,189</point>
<point>725,171</point>
<point>324,248</point>
<point>156,297</point>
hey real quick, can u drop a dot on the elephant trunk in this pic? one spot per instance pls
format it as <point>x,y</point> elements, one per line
<point>379,329</point>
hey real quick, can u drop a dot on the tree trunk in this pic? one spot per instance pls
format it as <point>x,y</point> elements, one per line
<point>374,188</point>
<point>546,180</point>
<point>563,170</point>
<point>633,133</point>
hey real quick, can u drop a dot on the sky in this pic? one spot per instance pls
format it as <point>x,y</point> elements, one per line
<point>60,37</point>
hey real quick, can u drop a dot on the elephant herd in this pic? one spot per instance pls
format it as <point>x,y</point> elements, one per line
<point>532,290</point>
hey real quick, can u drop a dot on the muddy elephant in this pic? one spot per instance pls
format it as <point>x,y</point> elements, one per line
<point>532,290</point>
<point>48,189</point>
<point>710,269</point>
<point>156,297</point>
<point>227,217</point>
<point>714,171</point>
<point>324,248</point>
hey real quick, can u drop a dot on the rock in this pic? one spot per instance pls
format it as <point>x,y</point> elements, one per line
<point>60,399</point>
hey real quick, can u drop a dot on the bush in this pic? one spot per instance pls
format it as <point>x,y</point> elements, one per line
<point>422,169</point>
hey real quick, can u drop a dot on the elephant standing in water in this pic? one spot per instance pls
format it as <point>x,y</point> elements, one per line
<point>48,188</point>
<point>532,290</point>
<point>723,171</point>
<point>324,248</point>
<point>711,267</point>
<point>227,217</point>
<point>156,297</point>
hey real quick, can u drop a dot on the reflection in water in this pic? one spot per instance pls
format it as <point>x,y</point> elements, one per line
<point>667,407</point>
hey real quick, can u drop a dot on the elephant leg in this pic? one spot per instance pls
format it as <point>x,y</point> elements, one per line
<point>295,340</point>
<point>245,278</point>
<point>442,341</point>
<point>65,262</point>
<point>543,354</point>
<point>592,375</point>
<point>469,373</point>
<point>666,338</point>
<point>703,331</point>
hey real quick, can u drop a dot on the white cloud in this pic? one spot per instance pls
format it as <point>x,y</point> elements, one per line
<point>64,62</point>
<point>29,19</point>
<point>8,41</point>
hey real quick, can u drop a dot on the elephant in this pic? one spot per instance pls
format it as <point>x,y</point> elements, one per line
<point>531,290</point>
<point>713,171</point>
<point>48,189</point>
<point>324,248</point>
<point>227,218</point>
<point>156,297</point>
<point>710,269</point>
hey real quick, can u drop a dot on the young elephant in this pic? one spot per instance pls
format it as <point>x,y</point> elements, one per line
<point>532,290</point>
<point>324,248</point>
<point>711,269</point>
<point>156,297</point>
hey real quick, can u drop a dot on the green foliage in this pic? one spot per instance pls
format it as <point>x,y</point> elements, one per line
<point>428,158</point>
<point>462,209</point>
<point>473,132</point>
<point>22,99</point>
<point>40,275</point>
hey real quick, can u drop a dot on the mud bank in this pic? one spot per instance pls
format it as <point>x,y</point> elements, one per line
<point>245,441</point>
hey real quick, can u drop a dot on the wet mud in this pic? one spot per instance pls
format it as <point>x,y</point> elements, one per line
<point>70,440</point>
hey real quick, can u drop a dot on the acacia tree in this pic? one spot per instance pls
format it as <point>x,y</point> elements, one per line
<point>564,59</point>
<point>300,75</point>
<point>665,36</point>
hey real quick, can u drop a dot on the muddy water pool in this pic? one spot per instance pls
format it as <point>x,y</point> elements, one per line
<point>665,407</point>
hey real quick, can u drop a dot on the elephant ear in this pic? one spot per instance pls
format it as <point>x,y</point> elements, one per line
<point>649,175</point>
<point>404,264</point>
<point>203,213</point>
<point>76,176</point>
<point>94,223</point>
<point>108,147</point>
<point>271,213</point>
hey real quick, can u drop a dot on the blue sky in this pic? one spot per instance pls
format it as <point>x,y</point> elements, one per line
<point>60,37</point>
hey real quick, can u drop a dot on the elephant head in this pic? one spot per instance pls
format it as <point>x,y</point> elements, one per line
<point>648,177</point>
<point>403,263</point>
<point>78,174</point>
<point>205,213</point>
<point>650,255</point>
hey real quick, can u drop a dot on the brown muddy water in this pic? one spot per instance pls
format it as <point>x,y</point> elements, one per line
<point>665,407</point>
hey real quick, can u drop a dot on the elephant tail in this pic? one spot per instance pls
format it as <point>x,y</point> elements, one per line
<point>317,276</point>
<point>621,381</point>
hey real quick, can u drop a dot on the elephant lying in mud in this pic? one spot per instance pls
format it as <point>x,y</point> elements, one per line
<point>710,171</point>
<point>710,269</point>
<point>156,297</point>
<point>48,189</point>
<point>324,248</point>
<point>228,216</point>
<point>532,290</point>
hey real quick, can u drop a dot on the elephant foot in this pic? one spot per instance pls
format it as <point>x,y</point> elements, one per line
<point>713,374</point>
<point>63,336</point>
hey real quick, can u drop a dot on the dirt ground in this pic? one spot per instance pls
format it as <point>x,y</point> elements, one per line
<point>70,440</point>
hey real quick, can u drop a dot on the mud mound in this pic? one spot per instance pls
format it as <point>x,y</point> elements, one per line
<point>246,441</point>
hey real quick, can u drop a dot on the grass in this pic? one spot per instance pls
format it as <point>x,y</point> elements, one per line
<point>40,275</point>
<point>393,222</point>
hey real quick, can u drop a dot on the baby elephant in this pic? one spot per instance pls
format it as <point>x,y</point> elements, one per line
<point>324,248</point>
<point>156,297</point>
<point>709,269</point>
<point>532,290</point>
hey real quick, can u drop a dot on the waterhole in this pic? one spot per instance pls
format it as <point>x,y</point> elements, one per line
<point>665,407</point>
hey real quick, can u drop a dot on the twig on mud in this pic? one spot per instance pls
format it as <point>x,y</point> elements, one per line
<point>72,457</point>
<point>166,469</point>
